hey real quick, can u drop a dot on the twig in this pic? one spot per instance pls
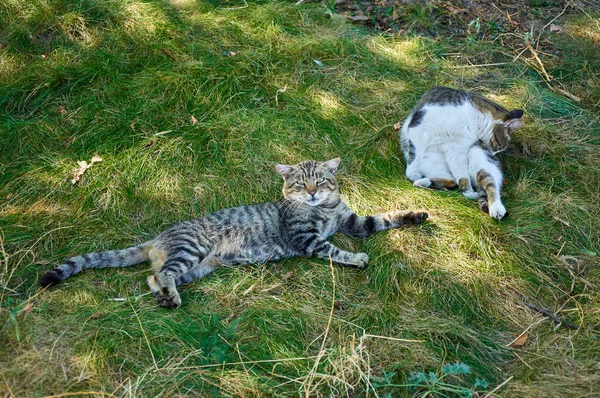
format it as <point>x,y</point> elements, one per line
<point>83,393</point>
<point>552,316</point>
<point>548,78</point>
<point>534,53</point>
<point>214,365</point>
<point>145,336</point>
<point>364,336</point>
<point>499,386</point>
<point>478,66</point>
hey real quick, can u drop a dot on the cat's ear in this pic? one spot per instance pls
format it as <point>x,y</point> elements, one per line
<point>514,124</point>
<point>284,170</point>
<point>516,113</point>
<point>332,164</point>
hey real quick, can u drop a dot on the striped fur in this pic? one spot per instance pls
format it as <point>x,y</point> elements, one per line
<point>451,138</point>
<point>298,225</point>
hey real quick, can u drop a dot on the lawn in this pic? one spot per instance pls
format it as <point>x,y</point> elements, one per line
<point>191,104</point>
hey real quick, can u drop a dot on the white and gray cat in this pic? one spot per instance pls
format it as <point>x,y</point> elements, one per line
<point>450,140</point>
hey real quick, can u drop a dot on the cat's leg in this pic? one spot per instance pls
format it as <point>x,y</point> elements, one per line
<point>458,163</point>
<point>206,266</point>
<point>488,176</point>
<point>355,225</point>
<point>314,245</point>
<point>434,172</point>
<point>174,266</point>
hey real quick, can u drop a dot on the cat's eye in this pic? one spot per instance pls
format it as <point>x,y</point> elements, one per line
<point>300,184</point>
<point>321,181</point>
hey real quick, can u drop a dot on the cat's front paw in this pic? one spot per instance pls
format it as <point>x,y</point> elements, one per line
<point>415,217</point>
<point>361,260</point>
<point>497,211</point>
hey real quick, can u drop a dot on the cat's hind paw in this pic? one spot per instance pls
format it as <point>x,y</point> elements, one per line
<point>166,298</point>
<point>422,183</point>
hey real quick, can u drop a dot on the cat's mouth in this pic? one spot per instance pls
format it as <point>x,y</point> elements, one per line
<point>313,201</point>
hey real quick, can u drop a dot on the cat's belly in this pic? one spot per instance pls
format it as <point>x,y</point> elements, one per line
<point>251,255</point>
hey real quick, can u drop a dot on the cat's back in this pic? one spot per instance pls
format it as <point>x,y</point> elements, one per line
<point>448,115</point>
<point>230,221</point>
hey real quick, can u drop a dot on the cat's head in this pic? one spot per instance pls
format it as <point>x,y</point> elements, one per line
<point>311,182</point>
<point>503,130</point>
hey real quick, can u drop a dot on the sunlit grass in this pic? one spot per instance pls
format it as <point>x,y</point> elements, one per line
<point>270,83</point>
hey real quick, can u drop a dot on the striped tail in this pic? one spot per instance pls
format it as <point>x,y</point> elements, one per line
<point>112,258</point>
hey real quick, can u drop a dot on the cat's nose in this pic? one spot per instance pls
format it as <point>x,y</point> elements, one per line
<point>311,193</point>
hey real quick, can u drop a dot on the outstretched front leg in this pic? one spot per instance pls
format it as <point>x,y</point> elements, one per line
<point>355,225</point>
<point>310,244</point>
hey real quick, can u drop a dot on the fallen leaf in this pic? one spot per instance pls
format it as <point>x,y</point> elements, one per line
<point>339,305</point>
<point>556,28</point>
<point>96,315</point>
<point>230,317</point>
<point>287,276</point>
<point>10,195</point>
<point>27,308</point>
<point>318,63</point>
<point>83,166</point>
<point>519,341</point>
<point>358,18</point>
<point>44,56</point>
<point>62,110</point>
<point>397,126</point>
<point>193,120</point>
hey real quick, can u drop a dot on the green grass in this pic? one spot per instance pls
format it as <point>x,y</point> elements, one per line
<point>122,78</point>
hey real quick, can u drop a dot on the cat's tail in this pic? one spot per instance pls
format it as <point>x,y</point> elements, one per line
<point>112,258</point>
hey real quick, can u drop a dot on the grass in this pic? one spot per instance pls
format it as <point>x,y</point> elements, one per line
<point>267,83</point>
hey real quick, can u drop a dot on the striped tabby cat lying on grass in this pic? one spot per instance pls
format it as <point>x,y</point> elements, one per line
<point>450,140</point>
<point>295,226</point>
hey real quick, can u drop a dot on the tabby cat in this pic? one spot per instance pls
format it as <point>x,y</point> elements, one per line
<point>450,140</point>
<point>298,225</point>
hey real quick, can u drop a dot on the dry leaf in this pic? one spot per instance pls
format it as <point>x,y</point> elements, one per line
<point>27,308</point>
<point>44,56</point>
<point>397,126</point>
<point>230,317</point>
<point>62,110</point>
<point>96,315</point>
<point>83,166</point>
<point>193,120</point>
<point>556,28</point>
<point>287,276</point>
<point>10,195</point>
<point>359,18</point>
<point>519,341</point>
